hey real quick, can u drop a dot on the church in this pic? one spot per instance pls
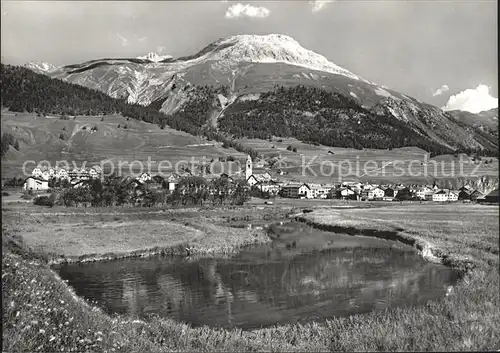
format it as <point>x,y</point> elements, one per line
<point>263,180</point>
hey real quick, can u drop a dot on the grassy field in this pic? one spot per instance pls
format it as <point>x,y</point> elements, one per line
<point>39,139</point>
<point>90,234</point>
<point>41,313</point>
<point>466,232</point>
<point>399,165</point>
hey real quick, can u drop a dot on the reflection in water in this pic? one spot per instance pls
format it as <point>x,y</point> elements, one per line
<point>256,289</point>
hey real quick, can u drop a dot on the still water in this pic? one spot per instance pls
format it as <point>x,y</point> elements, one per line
<point>304,275</point>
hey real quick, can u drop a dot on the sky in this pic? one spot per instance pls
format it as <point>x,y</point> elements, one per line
<point>441,52</point>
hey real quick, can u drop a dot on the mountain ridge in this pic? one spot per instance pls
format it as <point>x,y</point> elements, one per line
<point>247,65</point>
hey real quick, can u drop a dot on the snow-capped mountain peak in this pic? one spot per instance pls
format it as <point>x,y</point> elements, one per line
<point>271,48</point>
<point>154,57</point>
<point>40,67</point>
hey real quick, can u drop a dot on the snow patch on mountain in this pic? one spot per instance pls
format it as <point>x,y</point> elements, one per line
<point>40,67</point>
<point>155,57</point>
<point>249,97</point>
<point>137,86</point>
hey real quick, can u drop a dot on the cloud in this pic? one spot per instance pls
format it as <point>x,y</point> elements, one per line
<point>123,40</point>
<point>239,10</point>
<point>318,5</point>
<point>472,100</point>
<point>441,90</point>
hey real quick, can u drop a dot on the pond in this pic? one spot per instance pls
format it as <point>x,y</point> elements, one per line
<point>303,275</point>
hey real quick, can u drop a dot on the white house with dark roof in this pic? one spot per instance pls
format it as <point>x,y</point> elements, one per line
<point>347,193</point>
<point>37,172</point>
<point>376,193</point>
<point>254,179</point>
<point>95,172</point>
<point>144,177</point>
<point>453,195</point>
<point>61,173</point>
<point>45,175</point>
<point>35,184</point>
<point>440,196</point>
<point>425,193</point>
<point>292,190</point>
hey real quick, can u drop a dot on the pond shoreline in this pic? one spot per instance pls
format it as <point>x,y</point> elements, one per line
<point>181,250</point>
<point>424,248</point>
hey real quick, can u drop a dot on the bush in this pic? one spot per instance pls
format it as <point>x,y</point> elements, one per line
<point>289,148</point>
<point>294,149</point>
<point>5,193</point>
<point>43,201</point>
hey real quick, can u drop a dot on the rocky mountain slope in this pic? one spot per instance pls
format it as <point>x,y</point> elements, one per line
<point>41,67</point>
<point>251,65</point>
<point>486,121</point>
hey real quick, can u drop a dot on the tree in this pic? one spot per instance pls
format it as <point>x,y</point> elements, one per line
<point>44,201</point>
<point>289,148</point>
<point>8,140</point>
<point>404,194</point>
<point>241,193</point>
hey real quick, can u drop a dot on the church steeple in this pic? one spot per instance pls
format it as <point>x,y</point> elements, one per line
<point>248,168</point>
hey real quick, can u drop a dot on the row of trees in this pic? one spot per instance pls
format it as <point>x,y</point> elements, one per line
<point>25,90</point>
<point>119,192</point>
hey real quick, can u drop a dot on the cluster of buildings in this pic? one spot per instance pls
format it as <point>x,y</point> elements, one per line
<point>40,176</point>
<point>265,183</point>
<point>361,191</point>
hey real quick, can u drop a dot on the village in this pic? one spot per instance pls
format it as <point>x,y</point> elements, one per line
<point>262,185</point>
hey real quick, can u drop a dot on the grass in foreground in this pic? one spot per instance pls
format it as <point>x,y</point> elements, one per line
<point>41,313</point>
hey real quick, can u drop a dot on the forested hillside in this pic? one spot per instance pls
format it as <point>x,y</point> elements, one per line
<point>316,116</point>
<point>310,114</point>
<point>25,90</point>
